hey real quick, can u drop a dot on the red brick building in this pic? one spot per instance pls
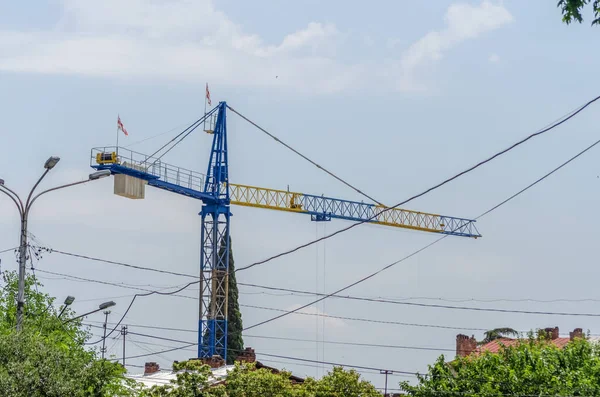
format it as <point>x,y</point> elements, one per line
<point>466,346</point>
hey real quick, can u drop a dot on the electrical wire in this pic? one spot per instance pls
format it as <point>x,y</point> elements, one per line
<point>446,181</point>
<point>324,296</point>
<point>144,294</point>
<point>139,345</point>
<point>331,342</point>
<point>8,249</point>
<point>149,269</point>
<point>68,276</point>
<point>304,157</point>
<point>295,292</point>
<point>495,207</point>
<point>359,344</point>
<point>187,344</point>
<point>123,285</point>
<point>290,291</point>
<point>323,315</point>
<point>432,243</point>
<point>368,320</point>
<point>159,352</point>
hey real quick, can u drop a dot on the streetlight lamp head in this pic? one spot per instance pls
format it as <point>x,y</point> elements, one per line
<point>106,305</point>
<point>99,174</point>
<point>2,182</point>
<point>51,162</point>
<point>69,300</point>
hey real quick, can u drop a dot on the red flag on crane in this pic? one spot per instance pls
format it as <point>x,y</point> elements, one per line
<point>120,126</point>
<point>208,95</point>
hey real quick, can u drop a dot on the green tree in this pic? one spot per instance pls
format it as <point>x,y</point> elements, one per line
<point>498,333</point>
<point>48,358</point>
<point>531,367</point>
<point>193,380</point>
<point>246,381</point>
<point>340,383</point>
<point>571,10</point>
<point>235,341</point>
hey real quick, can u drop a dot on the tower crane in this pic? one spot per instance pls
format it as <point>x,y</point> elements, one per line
<point>133,171</point>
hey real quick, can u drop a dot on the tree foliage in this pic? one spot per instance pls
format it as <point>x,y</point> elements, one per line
<point>531,367</point>
<point>498,333</point>
<point>193,380</point>
<point>571,10</point>
<point>235,341</point>
<point>340,383</point>
<point>48,358</point>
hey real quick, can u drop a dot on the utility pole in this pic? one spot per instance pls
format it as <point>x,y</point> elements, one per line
<point>106,313</point>
<point>386,372</point>
<point>124,332</point>
<point>24,208</point>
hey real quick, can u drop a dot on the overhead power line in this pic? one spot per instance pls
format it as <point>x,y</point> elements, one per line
<point>8,249</point>
<point>436,241</point>
<point>346,318</point>
<point>145,268</point>
<point>188,344</point>
<point>143,294</point>
<point>291,291</point>
<point>120,285</point>
<point>446,181</point>
<point>331,342</point>
<point>375,300</point>
<point>495,207</point>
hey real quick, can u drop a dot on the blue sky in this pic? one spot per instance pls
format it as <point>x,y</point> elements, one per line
<point>393,97</point>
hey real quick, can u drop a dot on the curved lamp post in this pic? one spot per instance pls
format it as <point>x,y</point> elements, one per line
<point>24,213</point>
<point>102,306</point>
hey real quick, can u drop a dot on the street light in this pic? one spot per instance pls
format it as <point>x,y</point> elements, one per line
<point>51,162</point>
<point>99,174</point>
<point>68,302</point>
<point>106,305</point>
<point>24,214</point>
<point>102,306</point>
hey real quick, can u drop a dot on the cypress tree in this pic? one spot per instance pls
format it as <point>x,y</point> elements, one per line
<point>235,341</point>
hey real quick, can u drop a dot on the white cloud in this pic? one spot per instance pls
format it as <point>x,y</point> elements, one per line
<point>463,22</point>
<point>494,58</point>
<point>181,40</point>
<point>192,41</point>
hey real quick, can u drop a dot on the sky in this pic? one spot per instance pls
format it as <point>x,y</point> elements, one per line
<point>393,97</point>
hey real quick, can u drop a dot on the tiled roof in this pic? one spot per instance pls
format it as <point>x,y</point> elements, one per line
<point>495,346</point>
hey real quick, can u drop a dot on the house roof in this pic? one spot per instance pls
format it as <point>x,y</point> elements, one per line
<point>495,345</point>
<point>164,377</point>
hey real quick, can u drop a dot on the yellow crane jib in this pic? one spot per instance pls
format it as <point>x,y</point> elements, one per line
<point>325,208</point>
